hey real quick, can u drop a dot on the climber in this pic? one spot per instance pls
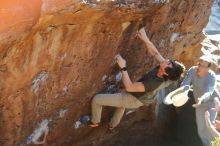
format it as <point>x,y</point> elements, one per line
<point>138,93</point>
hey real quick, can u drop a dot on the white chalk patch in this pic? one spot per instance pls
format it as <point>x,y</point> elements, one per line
<point>175,37</point>
<point>77,124</point>
<point>129,112</point>
<point>104,78</point>
<point>62,113</point>
<point>118,77</point>
<point>161,1</point>
<point>109,88</point>
<point>84,1</point>
<point>36,82</point>
<point>36,135</point>
<point>65,89</point>
<point>171,26</point>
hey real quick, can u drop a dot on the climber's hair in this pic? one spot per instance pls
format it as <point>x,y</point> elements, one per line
<point>174,73</point>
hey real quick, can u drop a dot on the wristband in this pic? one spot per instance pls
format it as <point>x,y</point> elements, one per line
<point>123,69</point>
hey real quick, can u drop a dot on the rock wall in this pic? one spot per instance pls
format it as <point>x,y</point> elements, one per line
<point>56,54</point>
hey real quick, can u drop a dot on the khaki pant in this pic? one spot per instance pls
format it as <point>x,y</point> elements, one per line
<point>119,100</point>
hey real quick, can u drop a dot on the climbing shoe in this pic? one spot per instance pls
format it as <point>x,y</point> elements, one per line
<point>86,120</point>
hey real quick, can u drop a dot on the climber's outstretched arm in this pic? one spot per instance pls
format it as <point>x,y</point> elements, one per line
<point>149,45</point>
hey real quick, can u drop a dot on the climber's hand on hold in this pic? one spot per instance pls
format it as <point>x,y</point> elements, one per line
<point>121,62</point>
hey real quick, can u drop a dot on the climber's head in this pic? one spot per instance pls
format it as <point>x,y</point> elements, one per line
<point>172,70</point>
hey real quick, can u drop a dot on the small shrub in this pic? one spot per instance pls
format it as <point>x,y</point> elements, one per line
<point>216,142</point>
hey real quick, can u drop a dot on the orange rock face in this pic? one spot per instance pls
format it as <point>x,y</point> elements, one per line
<point>55,55</point>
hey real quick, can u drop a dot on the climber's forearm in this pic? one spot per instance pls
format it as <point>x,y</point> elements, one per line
<point>151,49</point>
<point>129,86</point>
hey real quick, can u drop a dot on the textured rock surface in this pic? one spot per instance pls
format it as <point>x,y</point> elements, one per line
<point>56,54</point>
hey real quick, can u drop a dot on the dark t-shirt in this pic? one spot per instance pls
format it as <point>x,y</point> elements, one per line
<point>152,84</point>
